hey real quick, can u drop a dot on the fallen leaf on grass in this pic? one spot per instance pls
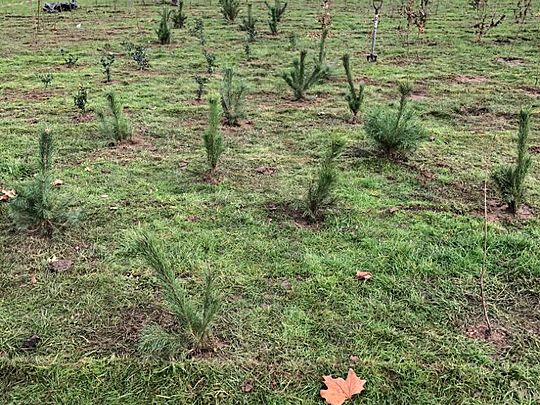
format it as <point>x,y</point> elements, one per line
<point>363,275</point>
<point>60,266</point>
<point>6,195</point>
<point>57,182</point>
<point>339,390</point>
<point>247,386</point>
<point>33,279</point>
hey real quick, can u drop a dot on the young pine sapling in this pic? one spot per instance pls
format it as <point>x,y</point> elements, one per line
<point>213,141</point>
<point>510,180</point>
<point>201,82</point>
<point>106,61</point>
<point>230,9</point>
<point>80,99</point>
<point>113,124</point>
<point>249,24</point>
<point>233,94</point>
<point>178,16</point>
<point>354,97</point>
<point>275,14</point>
<point>164,31</point>
<point>298,79</point>
<point>210,61</point>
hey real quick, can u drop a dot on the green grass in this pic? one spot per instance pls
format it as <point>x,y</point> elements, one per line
<point>292,310</point>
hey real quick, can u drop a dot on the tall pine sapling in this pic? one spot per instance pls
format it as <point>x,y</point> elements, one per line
<point>113,124</point>
<point>354,97</point>
<point>230,9</point>
<point>196,319</point>
<point>510,180</point>
<point>233,93</point>
<point>398,132</point>
<point>213,141</point>
<point>320,191</point>
<point>298,79</point>
<point>178,16</point>
<point>164,31</point>
<point>275,14</point>
<point>249,24</point>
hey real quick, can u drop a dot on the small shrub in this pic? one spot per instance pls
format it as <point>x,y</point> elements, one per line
<point>213,141</point>
<point>396,133</point>
<point>70,60</point>
<point>249,24</point>
<point>164,31</point>
<point>80,99</point>
<point>138,53</point>
<point>210,60</point>
<point>510,180</point>
<point>233,93</point>
<point>354,98</point>
<point>230,9</point>
<point>34,208</point>
<point>198,31</point>
<point>298,79</point>
<point>319,193</point>
<point>107,59</point>
<point>195,319</point>
<point>275,14</point>
<point>113,124</point>
<point>201,82</point>
<point>178,16</point>
<point>46,79</point>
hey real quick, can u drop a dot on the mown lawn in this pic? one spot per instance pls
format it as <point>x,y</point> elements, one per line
<point>292,310</point>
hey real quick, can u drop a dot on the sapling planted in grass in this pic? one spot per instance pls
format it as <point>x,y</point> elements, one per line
<point>70,60</point>
<point>201,82</point>
<point>321,60</point>
<point>298,79</point>
<point>46,79</point>
<point>210,60</point>
<point>34,209</point>
<point>275,14</point>
<point>198,31</point>
<point>354,97</point>
<point>195,319</point>
<point>510,179</point>
<point>106,61</point>
<point>164,31</point>
<point>398,132</point>
<point>249,24</point>
<point>80,99</point>
<point>178,16</point>
<point>213,141</point>
<point>233,93</point>
<point>113,124</point>
<point>230,9</point>
<point>138,53</point>
<point>320,191</point>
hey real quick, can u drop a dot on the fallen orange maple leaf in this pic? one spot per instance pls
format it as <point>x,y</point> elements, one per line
<point>339,390</point>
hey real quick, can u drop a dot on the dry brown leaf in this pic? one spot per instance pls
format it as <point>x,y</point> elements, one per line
<point>33,279</point>
<point>57,182</point>
<point>6,195</point>
<point>339,390</point>
<point>247,386</point>
<point>363,275</point>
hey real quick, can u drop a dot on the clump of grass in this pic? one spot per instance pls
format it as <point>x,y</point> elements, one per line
<point>164,31</point>
<point>319,195</point>
<point>233,93</point>
<point>354,97</point>
<point>213,141</point>
<point>298,79</point>
<point>80,99</point>
<point>230,9</point>
<point>113,124</point>
<point>34,209</point>
<point>396,133</point>
<point>195,319</point>
<point>510,179</point>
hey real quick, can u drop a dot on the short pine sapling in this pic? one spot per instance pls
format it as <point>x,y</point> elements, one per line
<point>80,99</point>
<point>510,180</point>
<point>275,14</point>
<point>34,209</point>
<point>319,195</point>
<point>113,124</point>
<point>46,79</point>
<point>178,16</point>
<point>70,60</point>
<point>247,48</point>
<point>195,319</point>
<point>396,133</point>
<point>298,79</point>
<point>233,94</point>
<point>213,141</point>
<point>249,24</point>
<point>201,82</point>
<point>354,97</point>
<point>321,59</point>
<point>106,61</point>
<point>164,31</point>
<point>230,9</point>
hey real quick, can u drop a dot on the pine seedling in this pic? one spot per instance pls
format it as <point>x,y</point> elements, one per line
<point>46,79</point>
<point>298,79</point>
<point>106,61</point>
<point>80,99</point>
<point>510,179</point>
<point>233,94</point>
<point>213,141</point>
<point>249,24</point>
<point>275,14</point>
<point>230,9</point>
<point>70,60</point>
<point>195,319</point>
<point>396,133</point>
<point>319,195</point>
<point>321,60</point>
<point>113,124</point>
<point>354,97</point>
<point>178,16</point>
<point>201,82</point>
<point>34,209</point>
<point>164,31</point>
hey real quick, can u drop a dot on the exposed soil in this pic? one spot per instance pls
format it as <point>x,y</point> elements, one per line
<point>499,337</point>
<point>280,211</point>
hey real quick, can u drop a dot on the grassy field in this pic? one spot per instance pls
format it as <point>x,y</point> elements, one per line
<point>292,310</point>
